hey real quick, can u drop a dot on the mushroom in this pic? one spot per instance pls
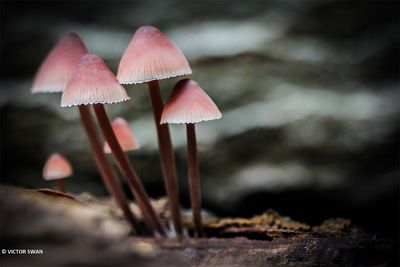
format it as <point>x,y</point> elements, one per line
<point>52,76</point>
<point>189,104</point>
<point>93,83</point>
<point>124,135</point>
<point>57,168</point>
<point>56,69</point>
<point>149,57</point>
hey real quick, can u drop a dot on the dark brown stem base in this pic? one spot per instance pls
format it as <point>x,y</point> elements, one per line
<point>60,185</point>
<point>151,218</point>
<point>109,177</point>
<point>167,158</point>
<point>194,177</point>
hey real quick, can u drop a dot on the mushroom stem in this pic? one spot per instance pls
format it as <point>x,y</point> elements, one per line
<point>167,158</point>
<point>194,177</point>
<point>60,185</point>
<point>109,178</point>
<point>149,215</point>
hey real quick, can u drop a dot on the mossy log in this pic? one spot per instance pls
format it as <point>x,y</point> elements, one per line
<point>86,231</point>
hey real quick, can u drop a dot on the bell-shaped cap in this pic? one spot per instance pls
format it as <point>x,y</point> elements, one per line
<point>92,83</point>
<point>188,103</point>
<point>124,135</point>
<point>56,167</point>
<point>150,56</point>
<point>56,69</point>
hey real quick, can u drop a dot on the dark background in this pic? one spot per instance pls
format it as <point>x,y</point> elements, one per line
<point>309,92</point>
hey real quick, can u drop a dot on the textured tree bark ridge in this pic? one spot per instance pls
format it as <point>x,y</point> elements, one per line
<point>85,230</point>
<point>304,250</point>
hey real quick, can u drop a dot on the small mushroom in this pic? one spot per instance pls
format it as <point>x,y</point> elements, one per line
<point>189,104</point>
<point>52,76</point>
<point>149,57</point>
<point>124,135</point>
<point>93,83</point>
<point>57,168</point>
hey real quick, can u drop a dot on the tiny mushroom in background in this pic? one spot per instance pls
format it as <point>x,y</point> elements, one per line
<point>93,83</point>
<point>124,135</point>
<point>189,104</point>
<point>52,76</point>
<point>149,57</point>
<point>57,168</point>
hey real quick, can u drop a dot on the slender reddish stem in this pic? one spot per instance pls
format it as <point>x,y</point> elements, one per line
<point>109,177</point>
<point>149,215</point>
<point>60,185</point>
<point>194,177</point>
<point>167,158</point>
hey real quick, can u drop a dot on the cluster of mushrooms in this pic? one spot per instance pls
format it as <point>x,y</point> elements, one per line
<point>86,81</point>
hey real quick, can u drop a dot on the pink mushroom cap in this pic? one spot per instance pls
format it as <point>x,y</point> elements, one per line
<point>188,103</point>
<point>92,83</point>
<point>56,167</point>
<point>56,69</point>
<point>151,55</point>
<point>124,135</point>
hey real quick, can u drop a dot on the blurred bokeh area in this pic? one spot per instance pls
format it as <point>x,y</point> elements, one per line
<point>309,93</point>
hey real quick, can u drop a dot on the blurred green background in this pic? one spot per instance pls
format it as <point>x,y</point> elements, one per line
<point>309,93</point>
